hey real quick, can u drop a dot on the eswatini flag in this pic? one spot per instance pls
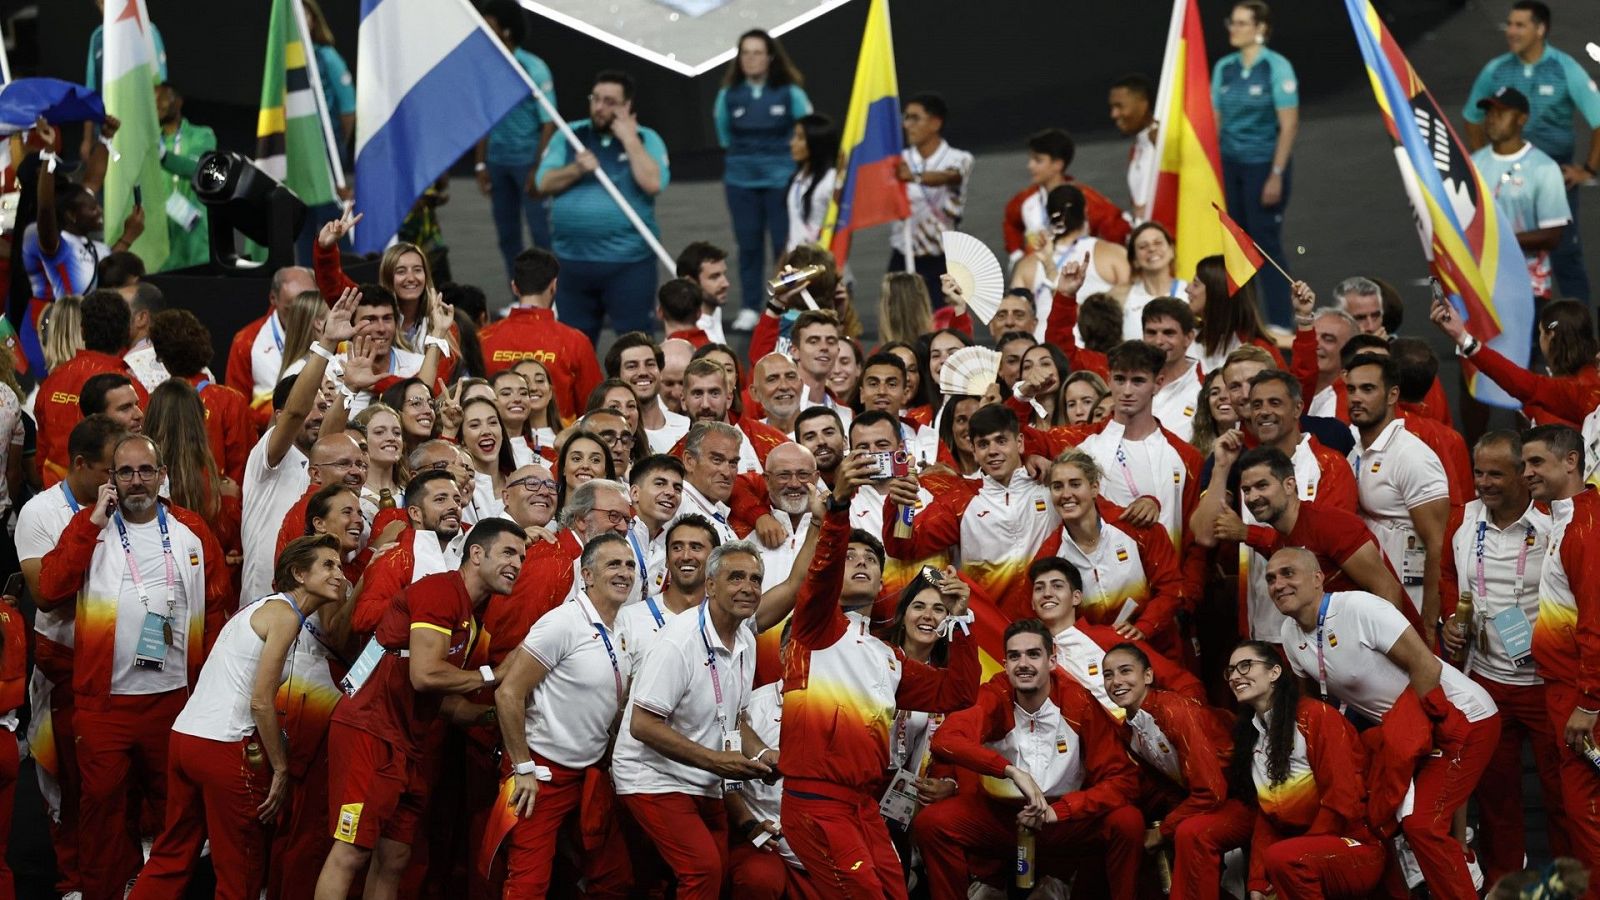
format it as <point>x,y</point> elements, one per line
<point>1189,172</point>
<point>869,193</point>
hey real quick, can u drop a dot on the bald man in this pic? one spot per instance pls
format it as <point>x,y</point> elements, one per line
<point>791,471</point>
<point>776,385</point>
<point>676,354</point>
<point>530,496</point>
<point>335,459</point>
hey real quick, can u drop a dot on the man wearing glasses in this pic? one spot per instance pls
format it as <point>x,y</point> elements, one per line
<point>335,459</point>
<point>150,589</point>
<point>607,269</point>
<point>610,426</point>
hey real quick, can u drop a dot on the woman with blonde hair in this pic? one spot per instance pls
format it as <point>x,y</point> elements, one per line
<point>904,311</point>
<point>386,446</point>
<point>302,324</point>
<point>175,420</point>
<point>404,271</point>
<point>61,330</point>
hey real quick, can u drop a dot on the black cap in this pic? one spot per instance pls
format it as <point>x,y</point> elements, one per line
<point>1507,96</point>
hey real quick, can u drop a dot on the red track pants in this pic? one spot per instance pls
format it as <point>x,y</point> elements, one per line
<point>1443,783</point>
<point>756,873</point>
<point>64,834</point>
<point>9,763</point>
<point>1198,845</point>
<point>1580,784</point>
<point>530,848</point>
<point>971,825</point>
<point>691,834</point>
<point>1523,716</point>
<point>120,746</point>
<point>212,791</point>
<point>301,842</point>
<point>842,841</point>
<point>1311,868</point>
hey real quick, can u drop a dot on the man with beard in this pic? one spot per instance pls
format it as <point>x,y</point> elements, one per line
<point>607,268</point>
<point>655,486</point>
<point>706,265</point>
<point>821,431</point>
<point>1405,497</point>
<point>706,398</point>
<point>775,383</point>
<point>277,472</point>
<point>431,544</point>
<point>151,590</point>
<point>684,740</point>
<point>676,354</point>
<point>378,739</point>
<point>884,379</point>
<point>791,477</point>
<point>689,542</point>
<point>636,359</point>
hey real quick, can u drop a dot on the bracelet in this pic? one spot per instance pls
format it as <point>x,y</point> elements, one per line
<point>441,343</point>
<point>49,159</point>
<point>1277,171</point>
<point>487,673</point>
<point>1305,321</point>
<point>324,352</point>
<point>525,768</point>
<point>345,392</point>
<point>1589,712</point>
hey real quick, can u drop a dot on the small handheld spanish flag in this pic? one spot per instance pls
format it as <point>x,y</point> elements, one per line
<point>1240,255</point>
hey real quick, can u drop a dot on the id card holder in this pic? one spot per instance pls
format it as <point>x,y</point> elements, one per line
<point>899,802</point>
<point>732,742</point>
<point>155,638</point>
<point>181,211</point>
<point>362,668</point>
<point>1515,634</point>
<point>1413,561</point>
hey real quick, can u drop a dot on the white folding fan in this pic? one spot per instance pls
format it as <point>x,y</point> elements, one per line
<point>968,372</point>
<point>975,267</point>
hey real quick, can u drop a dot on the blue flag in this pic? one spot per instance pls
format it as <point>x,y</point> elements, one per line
<point>430,81</point>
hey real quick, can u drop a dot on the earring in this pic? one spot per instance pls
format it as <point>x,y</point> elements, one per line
<point>1261,39</point>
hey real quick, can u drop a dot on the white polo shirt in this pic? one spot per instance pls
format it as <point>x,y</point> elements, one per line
<point>1394,476</point>
<point>1046,747</point>
<point>676,683</point>
<point>1177,401</point>
<point>645,621</point>
<point>570,714</point>
<point>1134,469</point>
<point>266,357</point>
<point>269,493</point>
<point>1513,560</point>
<point>39,526</point>
<point>779,561</point>
<point>1358,631</point>
<point>673,429</point>
<point>715,512</point>
<point>650,555</point>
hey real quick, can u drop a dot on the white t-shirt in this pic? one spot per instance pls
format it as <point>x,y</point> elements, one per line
<point>570,715</point>
<point>1395,475</point>
<point>1138,298</point>
<point>1358,631</point>
<point>715,511</point>
<point>779,560</point>
<point>674,427</point>
<point>676,684</point>
<point>39,526</point>
<point>269,493</point>
<point>126,678</point>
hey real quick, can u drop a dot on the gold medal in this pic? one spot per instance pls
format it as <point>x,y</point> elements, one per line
<point>166,631</point>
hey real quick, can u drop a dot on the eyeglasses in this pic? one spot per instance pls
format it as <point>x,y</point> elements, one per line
<point>535,485</point>
<point>128,474</point>
<point>418,403</point>
<point>624,439</point>
<point>804,476</point>
<point>1243,666</point>
<point>344,464</point>
<point>615,516</point>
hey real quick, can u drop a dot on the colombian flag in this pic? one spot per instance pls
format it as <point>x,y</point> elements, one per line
<point>1189,176</point>
<point>1469,247</point>
<point>870,193</point>
<point>1240,255</point>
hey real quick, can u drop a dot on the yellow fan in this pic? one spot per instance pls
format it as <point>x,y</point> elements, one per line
<point>968,372</point>
<point>975,267</point>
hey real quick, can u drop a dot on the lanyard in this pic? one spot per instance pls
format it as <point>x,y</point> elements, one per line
<point>133,567</point>
<point>1127,473</point>
<point>1522,562</point>
<point>71,500</point>
<point>1322,665</point>
<point>605,637</point>
<point>655,611</point>
<point>705,508</point>
<point>711,663</point>
<point>289,598</point>
<point>277,333</point>
<point>202,385</point>
<point>644,568</point>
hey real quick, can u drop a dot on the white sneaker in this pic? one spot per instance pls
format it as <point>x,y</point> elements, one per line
<point>1475,870</point>
<point>72,895</point>
<point>745,321</point>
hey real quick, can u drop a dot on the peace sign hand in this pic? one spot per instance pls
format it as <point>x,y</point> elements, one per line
<point>334,232</point>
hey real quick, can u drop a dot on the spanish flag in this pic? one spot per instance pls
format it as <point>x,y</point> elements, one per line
<point>1240,254</point>
<point>870,192</point>
<point>1189,175</point>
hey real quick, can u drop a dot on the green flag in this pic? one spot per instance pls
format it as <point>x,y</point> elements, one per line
<point>129,91</point>
<point>289,140</point>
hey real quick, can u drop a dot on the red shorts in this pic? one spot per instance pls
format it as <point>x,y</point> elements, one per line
<point>373,789</point>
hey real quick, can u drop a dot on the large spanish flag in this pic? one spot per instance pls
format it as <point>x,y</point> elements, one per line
<point>869,193</point>
<point>1469,247</point>
<point>1189,177</point>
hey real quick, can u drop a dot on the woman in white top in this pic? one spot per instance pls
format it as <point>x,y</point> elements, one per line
<point>228,763</point>
<point>815,147</point>
<point>1109,272</point>
<point>485,442</point>
<point>511,396</point>
<point>1151,253</point>
<point>544,413</point>
<point>385,446</point>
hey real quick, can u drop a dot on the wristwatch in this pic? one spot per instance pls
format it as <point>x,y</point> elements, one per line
<point>525,768</point>
<point>1468,347</point>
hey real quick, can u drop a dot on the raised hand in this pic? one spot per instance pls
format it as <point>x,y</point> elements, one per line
<point>45,132</point>
<point>1305,300</point>
<point>334,232</point>
<point>340,325</point>
<point>441,315</point>
<point>1072,275</point>
<point>953,297</point>
<point>1444,316</point>
<point>361,364</point>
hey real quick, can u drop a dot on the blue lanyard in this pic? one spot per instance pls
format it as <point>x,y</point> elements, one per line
<point>71,500</point>
<point>1322,665</point>
<point>277,333</point>
<point>204,383</point>
<point>605,637</point>
<point>296,607</point>
<point>638,556</point>
<point>133,567</point>
<point>655,611</point>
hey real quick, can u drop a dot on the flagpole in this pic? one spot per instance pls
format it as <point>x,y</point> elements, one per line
<point>577,146</point>
<point>1163,103</point>
<point>319,98</point>
<point>5,63</point>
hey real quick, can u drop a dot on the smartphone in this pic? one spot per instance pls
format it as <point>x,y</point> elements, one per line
<point>761,838</point>
<point>14,585</point>
<point>1438,290</point>
<point>138,196</point>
